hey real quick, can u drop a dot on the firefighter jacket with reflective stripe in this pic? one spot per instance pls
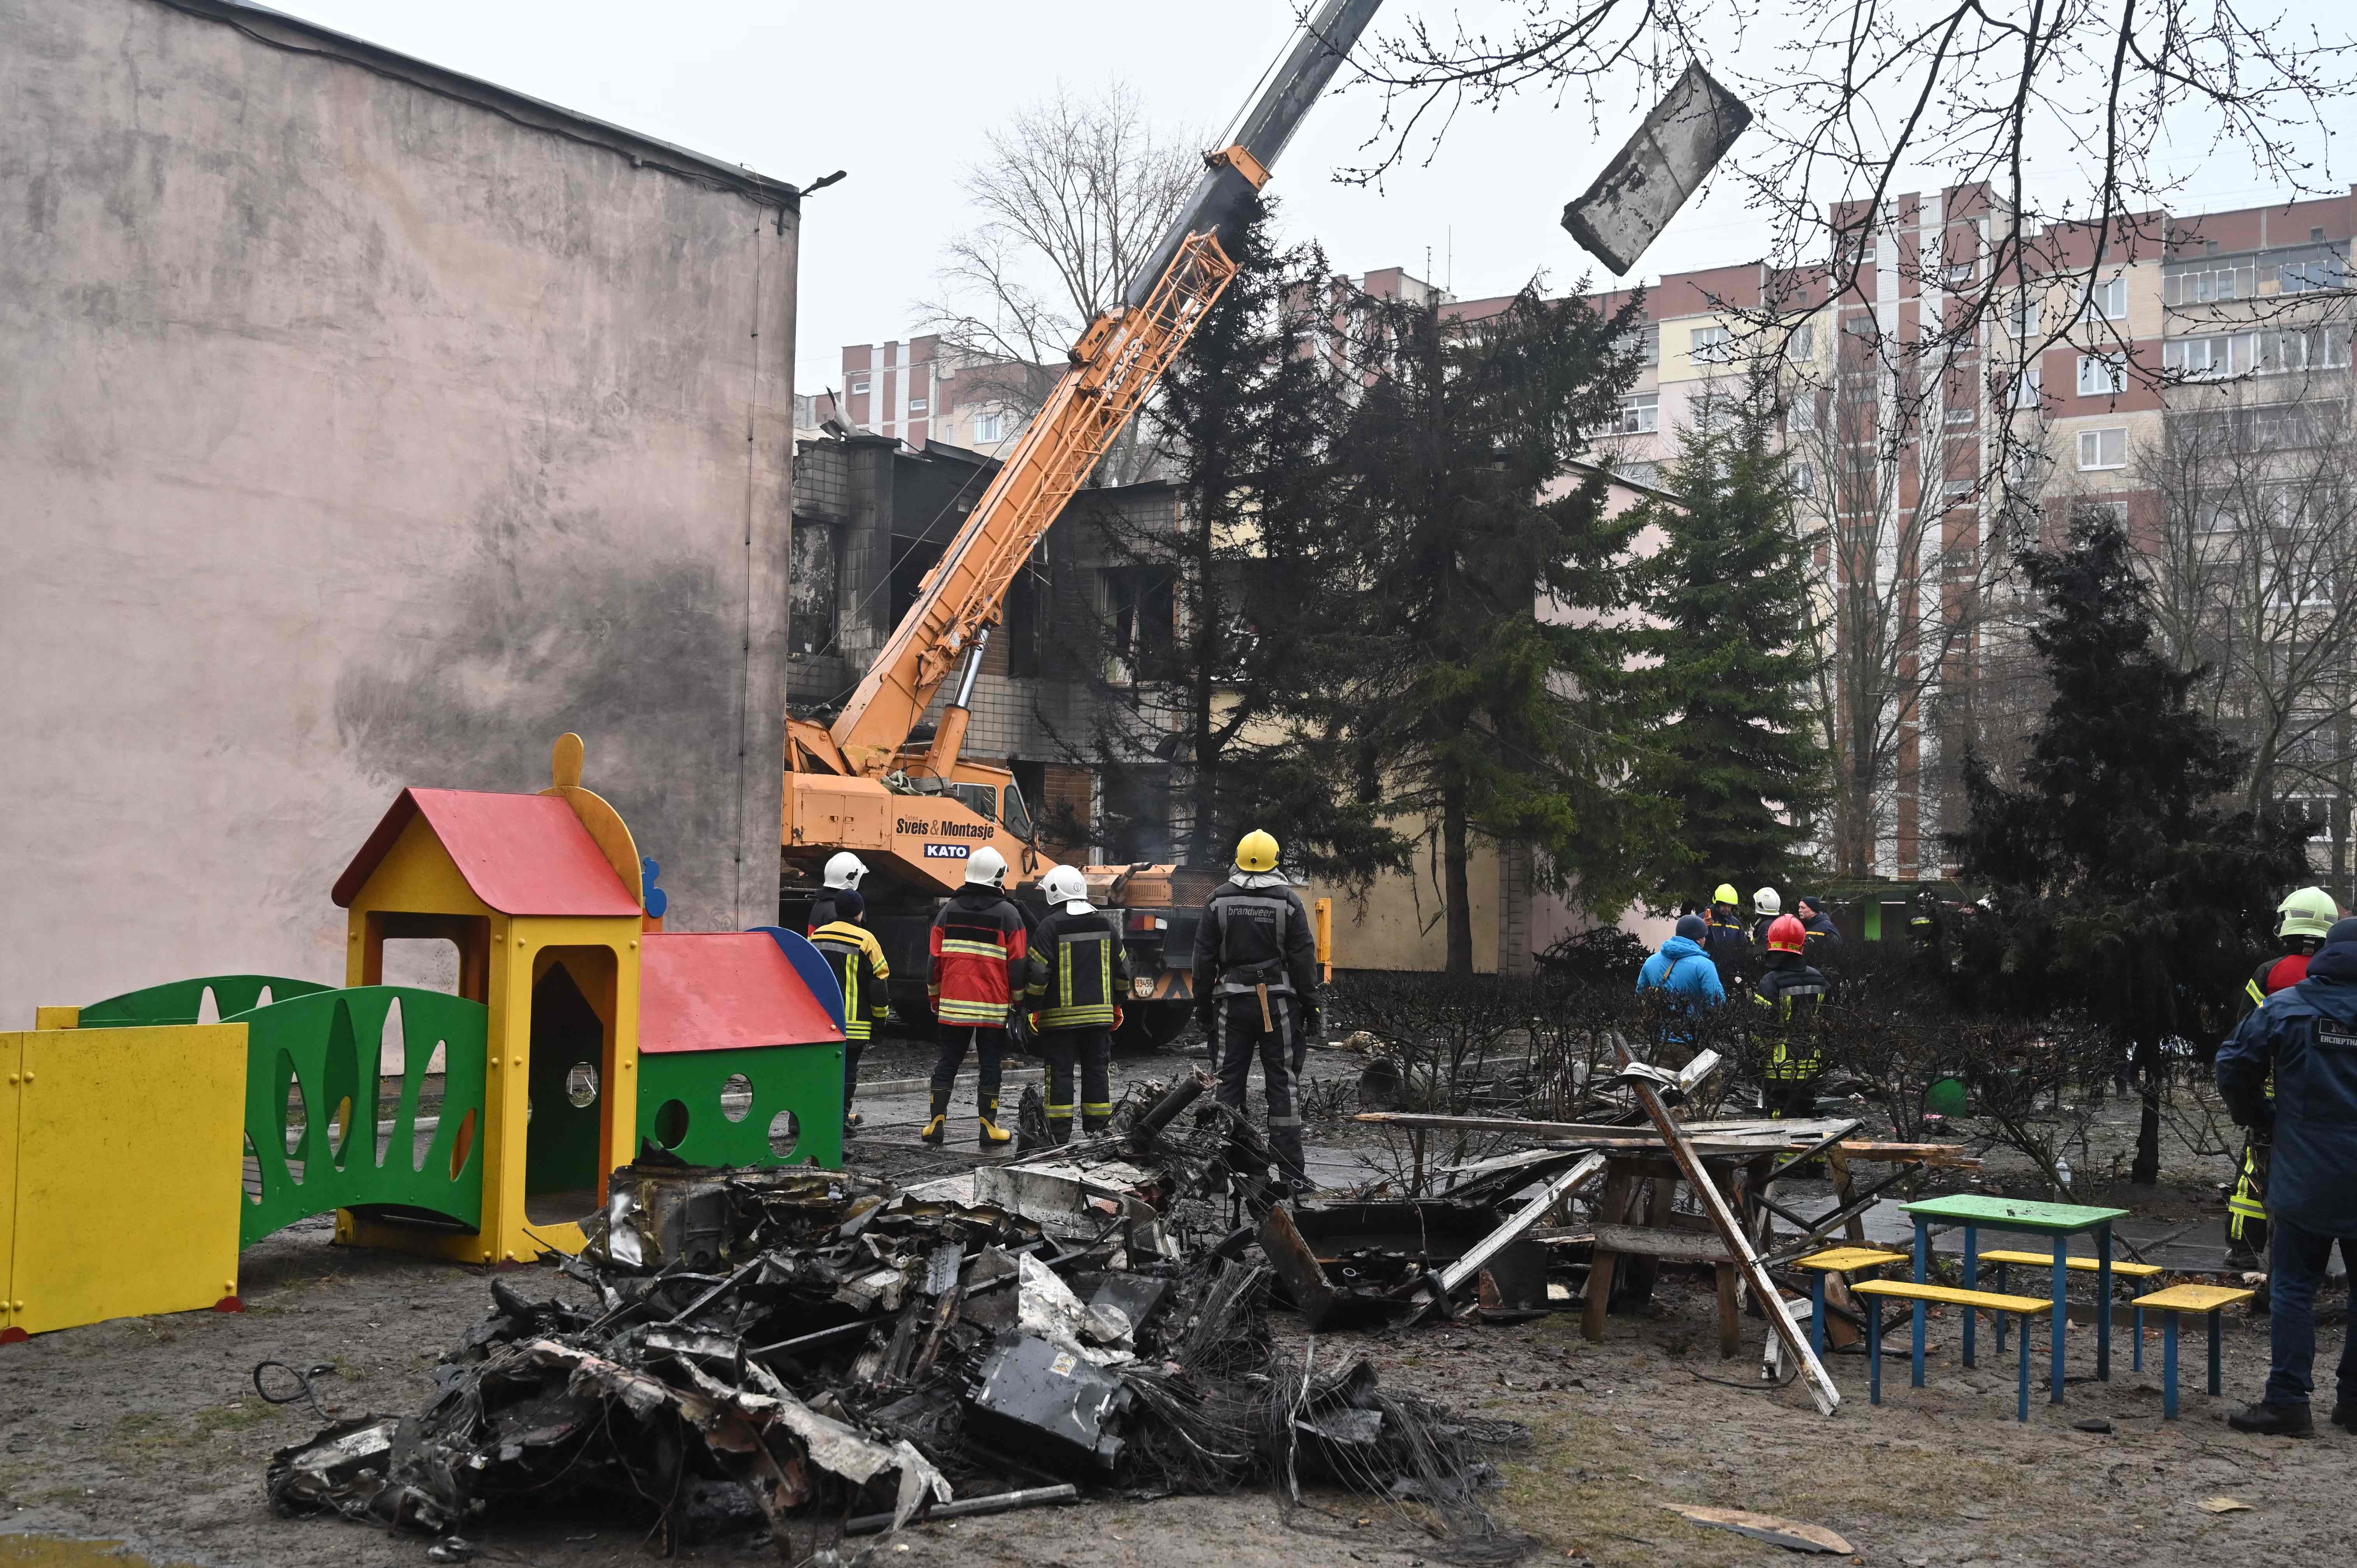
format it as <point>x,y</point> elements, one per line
<point>2278,974</point>
<point>857,960</point>
<point>2305,1038</point>
<point>1254,932</point>
<point>1078,973</point>
<point>980,945</point>
<point>1727,943</point>
<point>1791,996</point>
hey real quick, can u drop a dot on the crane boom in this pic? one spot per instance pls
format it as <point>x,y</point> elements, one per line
<point>1114,367</point>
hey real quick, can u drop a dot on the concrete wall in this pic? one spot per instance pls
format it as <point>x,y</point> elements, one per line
<point>355,434</point>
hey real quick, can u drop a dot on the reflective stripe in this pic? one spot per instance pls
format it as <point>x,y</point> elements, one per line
<point>1285,1122</point>
<point>978,950</point>
<point>1105,1109</point>
<point>1093,1015</point>
<point>2258,997</point>
<point>957,1010</point>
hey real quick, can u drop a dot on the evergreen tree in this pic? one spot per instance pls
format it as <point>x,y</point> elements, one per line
<point>1730,588</point>
<point>2121,879</point>
<point>1475,710</point>
<point>1213,669</point>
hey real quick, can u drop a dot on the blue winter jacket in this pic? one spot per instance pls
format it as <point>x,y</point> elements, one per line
<point>2307,1035</point>
<point>1685,971</point>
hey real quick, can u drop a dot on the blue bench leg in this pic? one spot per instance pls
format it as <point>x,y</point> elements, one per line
<point>2062,1312</point>
<point>2104,1310</point>
<point>2021,1401</point>
<point>2001,1272</point>
<point>2168,1366</point>
<point>1972,1282</point>
<point>2139,1341</point>
<point>1874,1349</point>
<point>2217,1346</point>
<point>1923,1274</point>
<point>1817,1312</point>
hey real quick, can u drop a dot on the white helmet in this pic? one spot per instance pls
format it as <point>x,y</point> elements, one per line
<point>1766,902</point>
<point>986,867</point>
<point>844,869</point>
<point>1064,885</point>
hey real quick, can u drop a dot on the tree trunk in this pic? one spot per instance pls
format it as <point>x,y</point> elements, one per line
<point>2145,1170</point>
<point>1455,884</point>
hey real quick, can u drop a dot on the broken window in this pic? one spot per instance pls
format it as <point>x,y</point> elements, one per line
<point>1141,622</point>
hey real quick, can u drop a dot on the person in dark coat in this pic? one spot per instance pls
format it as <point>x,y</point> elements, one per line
<point>1725,937</point>
<point>2306,1038</point>
<point>1825,938</point>
<point>1257,993</point>
<point>1789,996</point>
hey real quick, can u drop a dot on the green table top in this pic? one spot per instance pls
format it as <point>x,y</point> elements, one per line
<point>2015,1214</point>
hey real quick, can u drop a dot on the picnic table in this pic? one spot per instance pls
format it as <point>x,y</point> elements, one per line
<point>2058,1221</point>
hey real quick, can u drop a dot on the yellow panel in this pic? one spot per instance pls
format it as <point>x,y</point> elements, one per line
<point>1992,1301</point>
<point>2084,1265</point>
<point>1840,1260</point>
<point>57,1017</point>
<point>2193,1298</point>
<point>416,877</point>
<point>131,1150</point>
<point>606,831</point>
<point>12,1053</point>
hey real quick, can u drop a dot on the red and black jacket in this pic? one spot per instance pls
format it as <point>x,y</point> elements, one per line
<point>980,946</point>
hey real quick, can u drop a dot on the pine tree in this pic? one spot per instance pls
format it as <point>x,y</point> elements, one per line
<point>1478,712</point>
<point>1730,588</point>
<point>1228,696</point>
<point>2122,880</point>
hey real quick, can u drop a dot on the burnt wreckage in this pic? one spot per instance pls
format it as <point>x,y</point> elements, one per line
<point>821,1354</point>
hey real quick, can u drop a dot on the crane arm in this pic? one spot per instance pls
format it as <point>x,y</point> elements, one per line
<point>1114,367</point>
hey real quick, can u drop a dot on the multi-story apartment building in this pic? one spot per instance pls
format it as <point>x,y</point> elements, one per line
<point>922,390</point>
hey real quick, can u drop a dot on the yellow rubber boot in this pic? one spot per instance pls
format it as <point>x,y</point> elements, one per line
<point>991,1133</point>
<point>935,1130</point>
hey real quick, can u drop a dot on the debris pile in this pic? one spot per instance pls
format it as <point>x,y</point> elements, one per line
<point>820,1354</point>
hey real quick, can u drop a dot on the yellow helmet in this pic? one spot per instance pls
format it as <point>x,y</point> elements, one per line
<point>1726,895</point>
<point>1256,851</point>
<point>2307,913</point>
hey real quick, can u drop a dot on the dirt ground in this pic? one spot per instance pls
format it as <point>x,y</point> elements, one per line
<point>148,1430</point>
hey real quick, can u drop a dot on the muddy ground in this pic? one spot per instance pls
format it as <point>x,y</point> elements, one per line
<point>148,1430</point>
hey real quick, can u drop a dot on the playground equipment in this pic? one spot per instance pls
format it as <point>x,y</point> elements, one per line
<point>479,1126</point>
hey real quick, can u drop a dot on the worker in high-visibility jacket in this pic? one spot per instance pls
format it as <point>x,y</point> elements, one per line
<point>854,955</point>
<point>1079,974</point>
<point>1789,998</point>
<point>1257,993</point>
<point>979,966</point>
<point>2301,922</point>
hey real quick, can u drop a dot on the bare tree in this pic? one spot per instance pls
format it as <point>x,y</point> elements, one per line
<point>2254,564</point>
<point>1073,193</point>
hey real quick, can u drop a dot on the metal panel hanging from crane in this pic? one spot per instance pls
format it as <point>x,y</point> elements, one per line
<point>916,810</point>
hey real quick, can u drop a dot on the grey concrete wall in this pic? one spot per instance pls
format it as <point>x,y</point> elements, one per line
<point>355,436</point>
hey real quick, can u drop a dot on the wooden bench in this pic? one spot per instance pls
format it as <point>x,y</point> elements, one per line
<point>1972,1300</point>
<point>2004,1259</point>
<point>2174,1303</point>
<point>1836,1261</point>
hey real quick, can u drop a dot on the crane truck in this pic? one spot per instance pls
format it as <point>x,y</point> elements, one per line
<point>911,805</point>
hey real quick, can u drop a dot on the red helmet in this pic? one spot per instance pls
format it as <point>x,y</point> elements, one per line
<point>1786,934</point>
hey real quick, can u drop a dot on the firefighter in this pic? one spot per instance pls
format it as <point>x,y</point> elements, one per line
<point>978,967</point>
<point>1824,937</point>
<point>2304,1038</point>
<point>852,951</point>
<point>1724,939</point>
<point>1256,992</point>
<point>1078,975</point>
<point>843,870</point>
<point>1766,906</point>
<point>2301,922</point>
<point>1789,995</point>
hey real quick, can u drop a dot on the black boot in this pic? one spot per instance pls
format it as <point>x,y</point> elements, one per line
<point>937,1123</point>
<point>2273,1420</point>
<point>2344,1414</point>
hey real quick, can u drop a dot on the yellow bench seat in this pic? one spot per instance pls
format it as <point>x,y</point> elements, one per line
<point>2077,1265</point>
<point>1841,1260</point>
<point>2207,1302</point>
<point>1951,1296</point>
<point>1998,1301</point>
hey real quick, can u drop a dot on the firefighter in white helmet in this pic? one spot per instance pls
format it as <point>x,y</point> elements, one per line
<point>843,870</point>
<point>1767,904</point>
<point>1079,974</point>
<point>979,966</point>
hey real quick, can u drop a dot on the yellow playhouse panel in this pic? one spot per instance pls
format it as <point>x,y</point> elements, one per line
<point>12,1056</point>
<point>126,1199</point>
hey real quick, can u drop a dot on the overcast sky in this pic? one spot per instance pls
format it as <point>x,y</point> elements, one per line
<point>900,93</point>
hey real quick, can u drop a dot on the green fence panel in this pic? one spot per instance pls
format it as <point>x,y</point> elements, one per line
<point>330,1129</point>
<point>689,1104</point>
<point>180,1001</point>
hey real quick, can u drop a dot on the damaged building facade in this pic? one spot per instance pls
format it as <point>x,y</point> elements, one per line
<point>368,424</point>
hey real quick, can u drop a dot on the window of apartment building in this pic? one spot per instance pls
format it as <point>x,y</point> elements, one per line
<point>1803,413</point>
<point>1712,345</point>
<point>2279,352</point>
<point>2108,300</point>
<point>1640,414</point>
<point>1639,473</point>
<point>858,389</point>
<point>2025,318</point>
<point>2030,387</point>
<point>2206,285</point>
<point>1645,342</point>
<point>1959,492</point>
<point>1802,344</point>
<point>1960,274</point>
<point>2105,448</point>
<point>2091,513</point>
<point>2308,273</point>
<point>814,577</point>
<point>1803,478</point>
<point>2102,375</point>
<point>2204,359</point>
<point>916,405</point>
<point>990,428</point>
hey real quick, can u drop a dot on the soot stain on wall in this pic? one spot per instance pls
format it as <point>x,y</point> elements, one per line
<point>562,626</point>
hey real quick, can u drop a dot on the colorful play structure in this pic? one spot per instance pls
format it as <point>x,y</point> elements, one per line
<point>142,1148</point>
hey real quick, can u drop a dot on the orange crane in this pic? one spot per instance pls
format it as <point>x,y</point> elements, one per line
<point>916,810</point>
